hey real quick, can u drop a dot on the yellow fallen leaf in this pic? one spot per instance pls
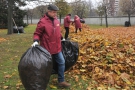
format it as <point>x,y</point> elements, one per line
<point>5,87</point>
<point>53,87</point>
<point>99,88</point>
<point>18,84</point>
<point>89,88</point>
<point>97,69</point>
<point>84,78</point>
<point>7,76</point>
<point>82,70</point>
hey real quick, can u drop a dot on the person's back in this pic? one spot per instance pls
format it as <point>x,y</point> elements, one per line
<point>66,25</point>
<point>77,23</point>
<point>67,21</point>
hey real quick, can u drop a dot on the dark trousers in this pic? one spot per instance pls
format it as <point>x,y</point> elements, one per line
<point>77,29</point>
<point>67,32</point>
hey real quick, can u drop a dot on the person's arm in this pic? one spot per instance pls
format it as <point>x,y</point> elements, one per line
<point>68,19</point>
<point>39,31</point>
<point>63,39</point>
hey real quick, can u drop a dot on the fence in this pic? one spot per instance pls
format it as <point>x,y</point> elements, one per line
<point>97,20</point>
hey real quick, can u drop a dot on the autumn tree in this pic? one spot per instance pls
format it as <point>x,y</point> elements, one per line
<point>127,7</point>
<point>100,11</point>
<point>31,12</point>
<point>89,6</point>
<point>133,1</point>
<point>81,8</point>
<point>107,7</point>
<point>3,14</point>
<point>10,16</point>
<point>12,4</point>
<point>64,8</point>
<point>39,10</point>
<point>42,10</point>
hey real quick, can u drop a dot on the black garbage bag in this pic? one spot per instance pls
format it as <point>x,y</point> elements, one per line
<point>70,51</point>
<point>19,29</point>
<point>82,20</point>
<point>35,68</point>
<point>127,24</point>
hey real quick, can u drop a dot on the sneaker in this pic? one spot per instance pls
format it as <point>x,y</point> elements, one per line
<point>64,84</point>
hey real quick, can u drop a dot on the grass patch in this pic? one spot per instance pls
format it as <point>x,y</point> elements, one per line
<point>11,51</point>
<point>103,26</point>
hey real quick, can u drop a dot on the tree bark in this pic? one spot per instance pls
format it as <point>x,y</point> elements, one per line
<point>133,2</point>
<point>60,18</point>
<point>10,16</point>
<point>106,17</point>
<point>31,19</point>
<point>27,19</point>
<point>101,20</point>
<point>129,19</point>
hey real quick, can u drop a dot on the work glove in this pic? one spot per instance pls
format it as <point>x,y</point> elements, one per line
<point>63,39</point>
<point>34,44</point>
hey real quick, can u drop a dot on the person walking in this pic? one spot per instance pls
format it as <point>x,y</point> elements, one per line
<point>66,25</point>
<point>48,34</point>
<point>77,23</point>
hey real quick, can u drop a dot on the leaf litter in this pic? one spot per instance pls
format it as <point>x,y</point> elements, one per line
<point>107,56</point>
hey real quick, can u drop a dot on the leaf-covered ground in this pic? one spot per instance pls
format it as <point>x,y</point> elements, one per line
<point>106,60</point>
<point>107,56</point>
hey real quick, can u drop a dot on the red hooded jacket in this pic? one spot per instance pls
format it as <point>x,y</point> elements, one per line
<point>49,35</point>
<point>77,22</point>
<point>67,21</point>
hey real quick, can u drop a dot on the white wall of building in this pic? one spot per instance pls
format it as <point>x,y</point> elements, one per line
<point>97,21</point>
<point>111,21</point>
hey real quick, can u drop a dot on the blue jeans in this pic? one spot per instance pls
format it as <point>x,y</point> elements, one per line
<point>61,65</point>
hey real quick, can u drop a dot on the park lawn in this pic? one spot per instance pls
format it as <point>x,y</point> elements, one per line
<point>11,50</point>
<point>103,26</point>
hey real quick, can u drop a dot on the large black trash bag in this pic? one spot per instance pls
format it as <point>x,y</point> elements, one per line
<point>70,51</point>
<point>19,29</point>
<point>127,24</point>
<point>35,68</point>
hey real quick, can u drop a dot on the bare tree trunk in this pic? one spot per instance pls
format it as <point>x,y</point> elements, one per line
<point>60,18</point>
<point>31,19</point>
<point>133,2</point>
<point>106,17</point>
<point>129,19</point>
<point>27,19</point>
<point>101,21</point>
<point>10,16</point>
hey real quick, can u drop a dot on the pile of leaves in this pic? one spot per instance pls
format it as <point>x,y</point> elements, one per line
<point>107,56</point>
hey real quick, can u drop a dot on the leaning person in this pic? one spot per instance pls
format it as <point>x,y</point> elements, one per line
<point>77,23</point>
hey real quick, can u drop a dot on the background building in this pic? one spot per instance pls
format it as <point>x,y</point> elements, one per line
<point>112,7</point>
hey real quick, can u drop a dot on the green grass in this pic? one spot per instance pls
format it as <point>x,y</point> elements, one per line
<point>103,26</point>
<point>11,51</point>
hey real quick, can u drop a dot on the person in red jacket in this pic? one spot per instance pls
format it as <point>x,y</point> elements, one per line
<point>48,34</point>
<point>77,23</point>
<point>66,25</point>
